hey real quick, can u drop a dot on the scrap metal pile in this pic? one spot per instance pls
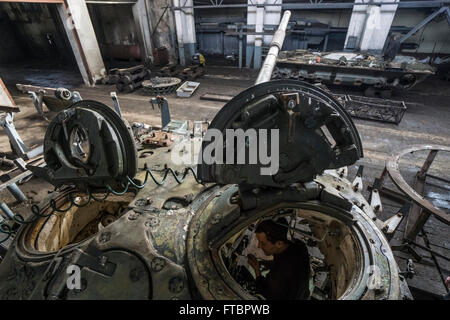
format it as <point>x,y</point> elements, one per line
<point>150,224</point>
<point>184,73</point>
<point>154,221</point>
<point>373,108</point>
<point>353,69</point>
<point>142,225</point>
<point>161,85</point>
<point>128,79</point>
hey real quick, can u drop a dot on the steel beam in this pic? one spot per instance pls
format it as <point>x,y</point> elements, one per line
<point>34,1</point>
<point>417,216</point>
<point>322,6</point>
<point>421,24</point>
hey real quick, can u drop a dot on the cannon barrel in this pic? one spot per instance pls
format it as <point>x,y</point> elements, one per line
<point>275,46</point>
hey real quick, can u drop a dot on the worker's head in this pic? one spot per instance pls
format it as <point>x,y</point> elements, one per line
<point>272,236</point>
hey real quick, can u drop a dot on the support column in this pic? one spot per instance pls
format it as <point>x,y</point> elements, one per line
<point>185,25</point>
<point>251,20</point>
<point>190,39</point>
<point>272,16</point>
<point>179,28</point>
<point>143,29</point>
<point>5,97</point>
<point>78,26</point>
<point>369,26</point>
<point>258,38</point>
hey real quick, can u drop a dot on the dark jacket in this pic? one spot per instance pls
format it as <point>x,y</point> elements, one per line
<point>288,278</point>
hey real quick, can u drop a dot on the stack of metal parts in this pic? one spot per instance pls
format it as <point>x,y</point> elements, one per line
<point>127,80</point>
<point>373,108</point>
<point>425,199</point>
<point>161,85</point>
<point>189,73</point>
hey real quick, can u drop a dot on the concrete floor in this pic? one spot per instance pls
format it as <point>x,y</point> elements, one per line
<point>427,121</point>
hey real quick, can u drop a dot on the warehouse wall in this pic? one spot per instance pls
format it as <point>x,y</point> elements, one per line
<point>164,35</point>
<point>33,31</point>
<point>212,41</point>
<point>115,22</point>
<point>11,48</point>
<point>115,31</point>
<point>333,18</point>
<point>336,18</point>
<point>433,38</point>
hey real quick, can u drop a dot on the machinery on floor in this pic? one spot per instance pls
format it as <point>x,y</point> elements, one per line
<point>152,225</point>
<point>369,72</point>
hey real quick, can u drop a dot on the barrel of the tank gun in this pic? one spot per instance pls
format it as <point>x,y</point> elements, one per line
<point>275,46</point>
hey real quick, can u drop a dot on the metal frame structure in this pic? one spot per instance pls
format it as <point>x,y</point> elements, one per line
<point>421,208</point>
<point>315,5</point>
<point>421,24</point>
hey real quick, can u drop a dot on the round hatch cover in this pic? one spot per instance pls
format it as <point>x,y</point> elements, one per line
<point>89,145</point>
<point>278,133</point>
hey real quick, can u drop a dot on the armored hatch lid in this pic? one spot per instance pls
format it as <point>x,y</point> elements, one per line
<point>88,145</point>
<point>294,130</point>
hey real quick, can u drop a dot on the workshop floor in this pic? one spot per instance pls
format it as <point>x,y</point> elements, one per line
<point>427,121</point>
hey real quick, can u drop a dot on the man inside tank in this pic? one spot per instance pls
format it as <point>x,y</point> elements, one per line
<point>288,277</point>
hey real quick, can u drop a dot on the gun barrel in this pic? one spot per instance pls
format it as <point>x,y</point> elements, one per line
<point>275,46</point>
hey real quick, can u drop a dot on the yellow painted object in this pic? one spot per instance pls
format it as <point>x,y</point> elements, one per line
<point>202,60</point>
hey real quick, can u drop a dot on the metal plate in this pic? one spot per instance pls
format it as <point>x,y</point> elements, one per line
<point>99,134</point>
<point>394,172</point>
<point>315,134</point>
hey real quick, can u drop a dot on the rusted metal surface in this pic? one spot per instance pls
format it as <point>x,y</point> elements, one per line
<point>392,166</point>
<point>373,108</point>
<point>158,139</point>
<point>161,85</point>
<point>417,217</point>
<point>9,108</point>
<point>5,96</point>
<point>190,73</point>
<point>354,69</point>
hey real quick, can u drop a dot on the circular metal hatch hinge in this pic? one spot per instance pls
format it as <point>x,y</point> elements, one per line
<point>90,146</point>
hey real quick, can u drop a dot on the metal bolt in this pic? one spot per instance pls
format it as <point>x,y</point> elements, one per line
<point>103,260</point>
<point>157,264</point>
<point>133,215</point>
<point>216,218</point>
<point>176,285</point>
<point>234,199</point>
<point>152,222</point>
<point>291,104</point>
<point>136,274</point>
<point>141,202</point>
<point>104,237</point>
